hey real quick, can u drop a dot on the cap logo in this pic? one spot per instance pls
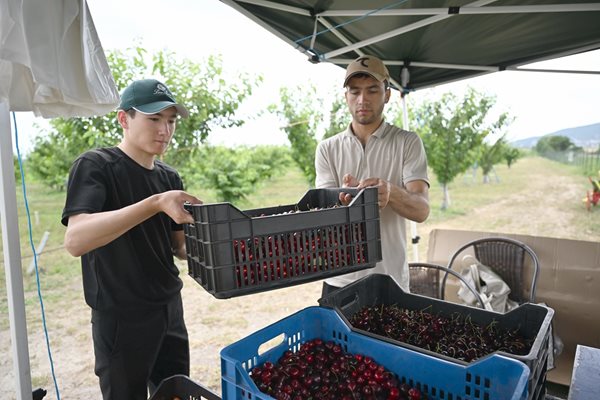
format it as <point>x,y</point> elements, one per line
<point>161,89</point>
<point>363,61</point>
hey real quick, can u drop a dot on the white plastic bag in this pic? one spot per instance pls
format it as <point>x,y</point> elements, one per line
<point>492,289</point>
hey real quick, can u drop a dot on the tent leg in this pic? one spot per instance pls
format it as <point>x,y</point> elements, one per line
<point>12,260</point>
<point>413,224</point>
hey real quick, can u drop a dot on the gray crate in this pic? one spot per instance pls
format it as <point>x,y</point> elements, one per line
<point>532,321</point>
<point>232,252</point>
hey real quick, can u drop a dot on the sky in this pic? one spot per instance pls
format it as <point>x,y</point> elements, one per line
<point>541,103</point>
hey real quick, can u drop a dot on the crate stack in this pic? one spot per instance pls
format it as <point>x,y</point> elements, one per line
<point>233,253</point>
<point>531,321</point>
<point>495,377</point>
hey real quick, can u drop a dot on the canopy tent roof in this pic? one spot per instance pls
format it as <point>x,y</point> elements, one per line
<point>439,41</point>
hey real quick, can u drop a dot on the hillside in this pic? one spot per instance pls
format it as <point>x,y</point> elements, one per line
<point>587,136</point>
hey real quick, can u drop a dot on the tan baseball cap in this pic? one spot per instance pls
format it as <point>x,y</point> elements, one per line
<point>369,65</point>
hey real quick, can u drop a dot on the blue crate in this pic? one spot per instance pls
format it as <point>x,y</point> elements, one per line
<point>493,378</point>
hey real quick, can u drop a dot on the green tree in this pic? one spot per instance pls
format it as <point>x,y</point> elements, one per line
<point>339,118</point>
<point>452,130</point>
<point>234,172</point>
<point>17,169</point>
<point>553,144</point>
<point>395,113</point>
<point>511,155</point>
<point>211,98</point>
<point>301,110</point>
<point>490,155</point>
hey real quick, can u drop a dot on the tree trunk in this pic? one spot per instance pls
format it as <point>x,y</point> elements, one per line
<point>446,198</point>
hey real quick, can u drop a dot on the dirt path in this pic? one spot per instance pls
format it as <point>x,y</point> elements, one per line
<point>544,210</point>
<point>541,210</point>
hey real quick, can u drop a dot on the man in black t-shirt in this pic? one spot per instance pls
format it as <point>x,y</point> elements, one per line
<point>124,213</point>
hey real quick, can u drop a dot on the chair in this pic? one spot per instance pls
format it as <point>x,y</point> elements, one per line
<point>506,257</point>
<point>425,280</point>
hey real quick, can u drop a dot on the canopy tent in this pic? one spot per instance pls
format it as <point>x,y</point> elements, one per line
<point>51,63</point>
<point>435,41</point>
<point>426,43</point>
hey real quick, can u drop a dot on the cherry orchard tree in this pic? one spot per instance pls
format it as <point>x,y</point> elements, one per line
<point>511,155</point>
<point>490,155</point>
<point>453,131</point>
<point>301,110</point>
<point>211,97</point>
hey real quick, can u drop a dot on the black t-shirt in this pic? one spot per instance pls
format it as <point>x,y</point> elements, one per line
<point>137,269</point>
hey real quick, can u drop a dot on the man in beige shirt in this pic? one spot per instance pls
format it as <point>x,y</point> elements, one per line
<point>372,152</point>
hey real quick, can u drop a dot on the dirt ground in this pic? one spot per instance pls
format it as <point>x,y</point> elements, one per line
<point>213,323</point>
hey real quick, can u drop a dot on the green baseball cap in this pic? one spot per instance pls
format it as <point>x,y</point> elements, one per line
<point>150,96</point>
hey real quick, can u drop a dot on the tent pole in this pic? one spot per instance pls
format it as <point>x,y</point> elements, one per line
<point>413,224</point>
<point>12,260</point>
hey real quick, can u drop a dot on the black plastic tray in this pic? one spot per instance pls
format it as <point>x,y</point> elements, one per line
<point>183,388</point>
<point>232,252</point>
<point>532,320</point>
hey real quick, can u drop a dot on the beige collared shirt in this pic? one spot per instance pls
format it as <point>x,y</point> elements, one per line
<point>392,154</point>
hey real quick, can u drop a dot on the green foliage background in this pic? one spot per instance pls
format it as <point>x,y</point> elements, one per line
<point>305,123</point>
<point>453,129</point>
<point>213,98</point>
<point>453,132</point>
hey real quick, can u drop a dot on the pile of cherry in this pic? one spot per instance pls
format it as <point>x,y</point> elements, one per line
<point>455,336</point>
<point>286,255</point>
<point>323,370</point>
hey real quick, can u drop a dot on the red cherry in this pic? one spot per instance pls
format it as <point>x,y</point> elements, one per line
<point>414,394</point>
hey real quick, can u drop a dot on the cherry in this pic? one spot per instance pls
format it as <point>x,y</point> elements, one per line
<point>393,394</point>
<point>331,374</point>
<point>454,335</point>
<point>414,394</point>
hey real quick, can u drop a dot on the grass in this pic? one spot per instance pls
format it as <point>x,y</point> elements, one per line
<point>536,178</point>
<point>467,193</point>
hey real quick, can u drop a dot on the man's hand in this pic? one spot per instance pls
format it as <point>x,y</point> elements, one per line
<point>383,189</point>
<point>348,181</point>
<point>171,203</point>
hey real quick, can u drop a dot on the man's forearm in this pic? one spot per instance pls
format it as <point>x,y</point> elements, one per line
<point>86,232</point>
<point>410,205</point>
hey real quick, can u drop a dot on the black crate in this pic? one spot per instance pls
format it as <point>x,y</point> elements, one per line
<point>531,321</point>
<point>232,252</point>
<point>183,388</point>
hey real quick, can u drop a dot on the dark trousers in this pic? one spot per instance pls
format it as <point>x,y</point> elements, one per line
<point>136,350</point>
<point>328,289</point>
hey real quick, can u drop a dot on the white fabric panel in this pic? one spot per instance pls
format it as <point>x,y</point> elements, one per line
<point>52,61</point>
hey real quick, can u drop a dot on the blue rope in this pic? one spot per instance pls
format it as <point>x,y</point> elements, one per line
<point>297,42</point>
<point>35,257</point>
